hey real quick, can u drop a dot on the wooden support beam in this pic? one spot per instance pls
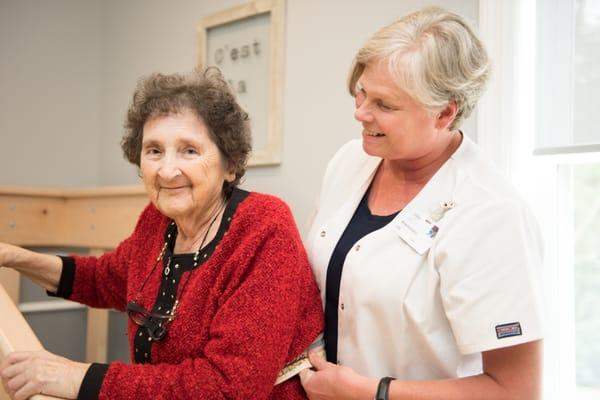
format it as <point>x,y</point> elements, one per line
<point>96,345</point>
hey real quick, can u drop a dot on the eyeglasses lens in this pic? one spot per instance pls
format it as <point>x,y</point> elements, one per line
<point>151,321</point>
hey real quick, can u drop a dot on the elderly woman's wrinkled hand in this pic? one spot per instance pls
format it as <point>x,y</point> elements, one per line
<point>27,373</point>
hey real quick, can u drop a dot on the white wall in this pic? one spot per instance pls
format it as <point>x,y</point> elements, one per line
<point>139,37</point>
<point>49,92</point>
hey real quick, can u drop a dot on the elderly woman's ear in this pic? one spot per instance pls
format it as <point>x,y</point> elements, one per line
<point>230,174</point>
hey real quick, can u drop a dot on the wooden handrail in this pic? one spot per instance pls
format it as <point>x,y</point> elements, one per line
<point>89,218</point>
<point>65,193</point>
<point>15,335</point>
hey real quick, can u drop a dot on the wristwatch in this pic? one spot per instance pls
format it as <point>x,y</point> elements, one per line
<point>383,389</point>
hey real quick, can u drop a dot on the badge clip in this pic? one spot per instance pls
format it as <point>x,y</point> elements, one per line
<point>444,206</point>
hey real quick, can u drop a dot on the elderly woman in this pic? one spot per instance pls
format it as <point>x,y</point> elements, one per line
<point>214,278</point>
<point>427,259</point>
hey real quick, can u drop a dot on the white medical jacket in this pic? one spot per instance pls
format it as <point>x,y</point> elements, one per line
<point>430,316</point>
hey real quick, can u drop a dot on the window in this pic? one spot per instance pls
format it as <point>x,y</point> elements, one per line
<point>568,138</point>
<point>540,122</point>
<point>586,201</point>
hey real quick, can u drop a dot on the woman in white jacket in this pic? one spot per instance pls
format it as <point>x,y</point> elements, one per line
<point>427,259</point>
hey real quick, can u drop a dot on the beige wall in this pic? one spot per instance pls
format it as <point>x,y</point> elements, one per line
<point>94,51</point>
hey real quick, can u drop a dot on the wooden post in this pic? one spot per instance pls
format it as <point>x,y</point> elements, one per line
<point>96,345</point>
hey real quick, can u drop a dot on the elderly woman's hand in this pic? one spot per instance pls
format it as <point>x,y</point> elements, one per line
<point>329,381</point>
<point>28,373</point>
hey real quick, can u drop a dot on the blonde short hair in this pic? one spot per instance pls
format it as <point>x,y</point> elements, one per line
<point>434,56</point>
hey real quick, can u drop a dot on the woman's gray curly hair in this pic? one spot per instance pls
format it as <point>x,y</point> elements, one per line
<point>206,93</point>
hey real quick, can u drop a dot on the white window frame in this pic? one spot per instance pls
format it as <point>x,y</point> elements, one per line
<point>508,119</point>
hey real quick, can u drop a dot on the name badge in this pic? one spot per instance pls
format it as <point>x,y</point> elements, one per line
<point>417,231</point>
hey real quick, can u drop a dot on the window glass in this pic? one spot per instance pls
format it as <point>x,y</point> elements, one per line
<point>586,179</point>
<point>567,76</point>
<point>586,85</point>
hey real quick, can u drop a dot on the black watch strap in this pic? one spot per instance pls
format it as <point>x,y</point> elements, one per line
<point>383,389</point>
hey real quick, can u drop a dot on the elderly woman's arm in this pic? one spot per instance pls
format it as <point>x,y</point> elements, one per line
<point>43,269</point>
<point>509,373</point>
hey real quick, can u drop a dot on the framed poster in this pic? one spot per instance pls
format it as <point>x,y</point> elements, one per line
<point>246,44</point>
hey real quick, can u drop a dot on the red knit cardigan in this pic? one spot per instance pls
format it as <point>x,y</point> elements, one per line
<point>249,309</point>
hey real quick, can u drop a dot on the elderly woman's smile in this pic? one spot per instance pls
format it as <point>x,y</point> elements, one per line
<point>182,167</point>
<point>175,190</point>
